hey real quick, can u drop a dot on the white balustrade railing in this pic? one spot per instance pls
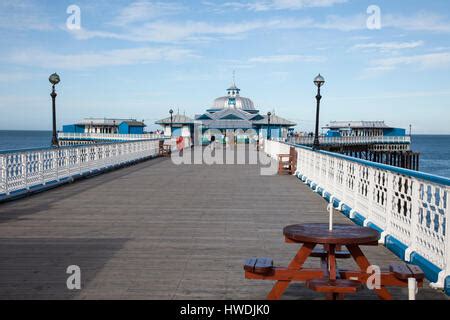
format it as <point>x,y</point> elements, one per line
<point>107,136</point>
<point>25,169</point>
<point>352,140</point>
<point>408,206</point>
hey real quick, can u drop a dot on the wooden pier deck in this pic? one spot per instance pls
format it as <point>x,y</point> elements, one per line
<point>160,231</point>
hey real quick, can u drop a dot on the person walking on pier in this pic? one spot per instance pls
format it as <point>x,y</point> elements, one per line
<point>180,145</point>
<point>213,142</point>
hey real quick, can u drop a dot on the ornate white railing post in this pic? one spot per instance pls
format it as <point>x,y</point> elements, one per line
<point>299,160</point>
<point>389,206</point>
<point>372,180</point>
<point>66,162</point>
<point>335,176</point>
<point>415,208</point>
<point>324,167</point>
<point>78,159</point>
<point>120,152</point>
<point>106,151</point>
<point>55,164</point>
<point>41,167</point>
<point>23,169</point>
<point>101,152</point>
<point>310,165</point>
<point>3,175</point>
<point>346,181</point>
<point>315,165</point>
<point>98,156</point>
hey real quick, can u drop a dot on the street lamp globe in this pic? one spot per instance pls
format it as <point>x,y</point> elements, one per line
<point>170,111</point>
<point>54,79</point>
<point>319,81</point>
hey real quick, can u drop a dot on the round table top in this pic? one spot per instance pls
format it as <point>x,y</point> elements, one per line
<point>319,233</point>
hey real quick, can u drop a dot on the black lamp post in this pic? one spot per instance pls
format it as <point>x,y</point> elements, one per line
<point>269,114</point>
<point>171,122</point>
<point>319,82</point>
<point>54,80</point>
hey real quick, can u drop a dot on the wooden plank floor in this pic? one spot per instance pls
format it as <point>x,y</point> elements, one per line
<point>160,231</point>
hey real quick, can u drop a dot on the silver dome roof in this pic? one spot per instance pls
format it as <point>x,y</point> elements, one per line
<point>234,100</point>
<point>237,103</point>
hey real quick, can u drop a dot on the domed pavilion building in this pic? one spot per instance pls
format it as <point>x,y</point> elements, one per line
<point>233,112</point>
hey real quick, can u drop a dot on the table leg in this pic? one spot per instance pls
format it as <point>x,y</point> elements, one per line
<point>326,270</point>
<point>280,286</point>
<point>363,264</point>
<point>332,261</point>
<point>332,269</point>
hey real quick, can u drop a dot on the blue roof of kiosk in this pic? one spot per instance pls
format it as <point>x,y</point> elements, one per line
<point>357,125</point>
<point>109,122</point>
<point>176,119</point>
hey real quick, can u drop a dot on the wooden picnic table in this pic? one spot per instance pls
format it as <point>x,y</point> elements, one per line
<point>328,279</point>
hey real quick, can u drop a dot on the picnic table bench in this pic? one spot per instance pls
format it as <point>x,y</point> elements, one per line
<point>327,278</point>
<point>287,163</point>
<point>165,150</point>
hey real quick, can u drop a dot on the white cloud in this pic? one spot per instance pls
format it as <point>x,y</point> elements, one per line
<point>288,58</point>
<point>392,95</point>
<point>143,10</point>
<point>422,21</point>
<point>161,31</point>
<point>22,15</point>
<point>101,59</point>
<point>343,23</point>
<point>136,27</point>
<point>299,4</point>
<point>389,46</point>
<point>16,76</point>
<point>84,34</point>
<point>415,62</point>
<point>425,61</point>
<point>267,5</point>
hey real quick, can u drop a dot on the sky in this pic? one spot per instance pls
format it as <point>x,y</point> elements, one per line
<point>381,59</point>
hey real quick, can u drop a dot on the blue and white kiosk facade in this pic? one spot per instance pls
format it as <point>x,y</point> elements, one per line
<point>100,130</point>
<point>106,126</point>
<point>377,133</point>
<point>179,125</point>
<point>362,129</point>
